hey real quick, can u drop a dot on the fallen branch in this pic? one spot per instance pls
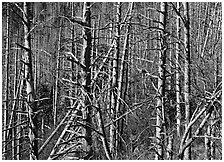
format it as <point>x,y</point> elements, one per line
<point>216,138</point>
<point>18,111</point>
<point>53,133</point>
<point>137,106</point>
<point>64,131</point>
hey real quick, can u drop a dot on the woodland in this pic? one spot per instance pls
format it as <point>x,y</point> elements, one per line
<point>111,80</point>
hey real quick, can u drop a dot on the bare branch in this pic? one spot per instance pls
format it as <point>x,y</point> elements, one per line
<point>77,62</point>
<point>23,47</point>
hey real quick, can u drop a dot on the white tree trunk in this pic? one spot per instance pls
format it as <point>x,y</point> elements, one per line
<point>86,79</point>
<point>187,154</point>
<point>178,74</point>
<point>160,109</point>
<point>31,105</point>
<point>114,98</point>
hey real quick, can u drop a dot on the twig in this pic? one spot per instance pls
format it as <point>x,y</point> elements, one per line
<point>78,63</point>
<point>137,106</point>
<point>22,112</point>
<point>217,138</point>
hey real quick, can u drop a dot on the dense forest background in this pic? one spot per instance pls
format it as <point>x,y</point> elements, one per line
<point>112,80</point>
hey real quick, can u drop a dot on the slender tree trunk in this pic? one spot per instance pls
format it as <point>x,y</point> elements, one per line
<point>178,73</point>
<point>72,65</point>
<point>56,91</point>
<point>109,93</point>
<point>16,117</point>
<point>211,128</point>
<point>114,97</point>
<point>86,83</point>
<point>13,137</point>
<point>170,147</point>
<point>160,109</point>
<point>169,136</point>
<point>42,126</point>
<point>212,143</point>
<point>187,154</point>
<point>18,129</point>
<point>6,88</point>
<point>208,142</point>
<point>31,105</point>
<point>121,94</point>
<point>213,115</point>
<point>103,136</point>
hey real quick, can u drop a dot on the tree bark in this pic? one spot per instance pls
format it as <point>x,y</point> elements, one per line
<point>187,154</point>
<point>114,98</point>
<point>56,91</point>
<point>122,80</point>
<point>31,105</point>
<point>178,111</point>
<point>72,64</point>
<point>103,136</point>
<point>86,80</point>
<point>6,88</point>
<point>160,109</point>
<point>18,129</point>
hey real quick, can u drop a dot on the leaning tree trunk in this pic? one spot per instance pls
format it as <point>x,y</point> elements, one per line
<point>160,117</point>
<point>86,79</point>
<point>16,87</point>
<point>31,105</point>
<point>187,154</point>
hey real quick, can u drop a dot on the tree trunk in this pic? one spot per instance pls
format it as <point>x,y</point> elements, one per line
<point>6,88</point>
<point>31,105</point>
<point>18,129</point>
<point>122,81</point>
<point>103,136</point>
<point>187,154</point>
<point>208,142</point>
<point>160,117</point>
<point>114,95</point>
<point>86,80</point>
<point>16,117</point>
<point>178,73</point>
<point>56,91</point>
<point>212,143</point>
<point>72,64</point>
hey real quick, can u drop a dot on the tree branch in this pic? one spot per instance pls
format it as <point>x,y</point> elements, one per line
<point>178,12</point>
<point>77,62</point>
<point>23,47</point>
